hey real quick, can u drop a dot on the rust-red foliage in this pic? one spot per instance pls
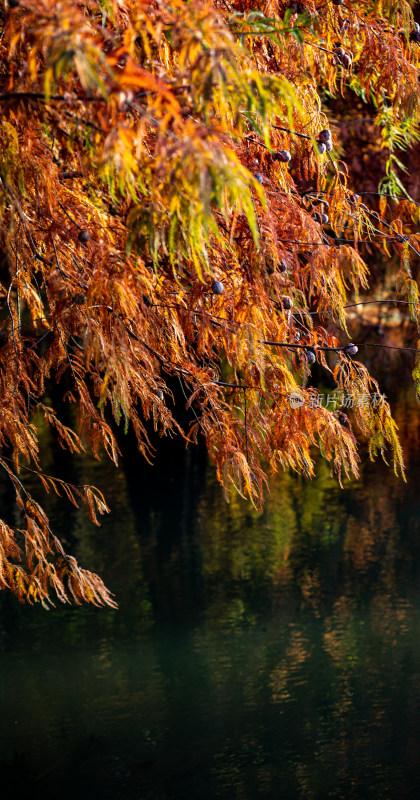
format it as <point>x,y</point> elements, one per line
<point>153,225</point>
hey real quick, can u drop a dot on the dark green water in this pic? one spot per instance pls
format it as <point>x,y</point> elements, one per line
<point>252,656</point>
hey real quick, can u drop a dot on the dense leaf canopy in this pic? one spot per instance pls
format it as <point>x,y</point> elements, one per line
<point>176,206</point>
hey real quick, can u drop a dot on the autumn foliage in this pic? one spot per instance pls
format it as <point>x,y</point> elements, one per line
<point>175,205</point>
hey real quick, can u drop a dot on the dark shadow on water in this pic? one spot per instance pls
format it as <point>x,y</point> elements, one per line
<point>252,655</point>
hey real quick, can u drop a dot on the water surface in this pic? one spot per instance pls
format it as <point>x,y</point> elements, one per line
<point>272,655</point>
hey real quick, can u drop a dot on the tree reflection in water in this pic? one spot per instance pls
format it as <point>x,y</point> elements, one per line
<point>253,655</point>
